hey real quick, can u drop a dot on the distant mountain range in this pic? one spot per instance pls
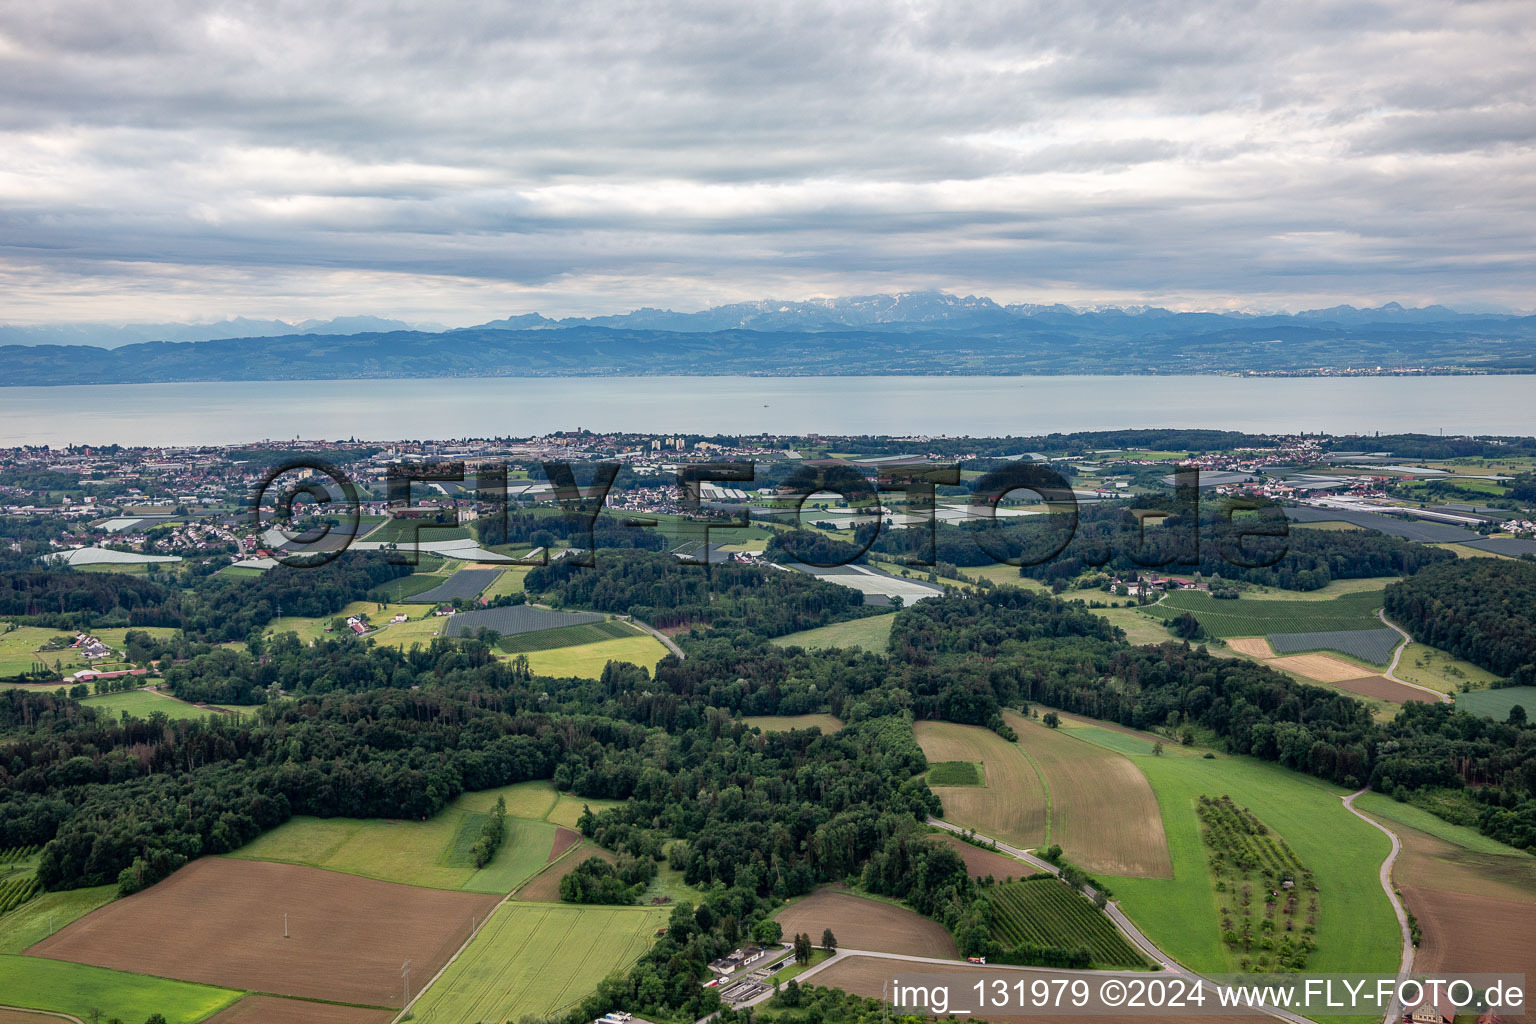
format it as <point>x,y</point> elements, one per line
<point>907,333</point>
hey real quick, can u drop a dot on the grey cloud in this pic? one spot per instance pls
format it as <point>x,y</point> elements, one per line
<point>699,149</point>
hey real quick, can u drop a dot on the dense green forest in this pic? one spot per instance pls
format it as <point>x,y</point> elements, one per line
<point>661,590</point>
<point>1479,609</point>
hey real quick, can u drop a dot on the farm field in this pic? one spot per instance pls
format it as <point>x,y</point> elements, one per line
<point>1432,863</point>
<point>1012,806</point>
<point>1334,588</point>
<point>1139,629</point>
<point>518,618</point>
<point>1496,703</point>
<point>538,961</point>
<point>29,923</point>
<point>509,582</point>
<point>465,584</point>
<point>139,704</point>
<point>955,773</point>
<point>1357,932</point>
<point>1472,933</point>
<point>219,921</point>
<point>1046,912</point>
<point>430,572</point>
<point>567,636</point>
<point>276,1010</point>
<point>588,660</point>
<point>77,988</point>
<point>399,531</point>
<point>1101,809</point>
<point>18,646</point>
<point>981,863</point>
<point>861,923</point>
<point>872,633</point>
<point>424,853</point>
<point>1379,805</point>
<point>1373,646</point>
<point>786,723</point>
<point>545,886</point>
<point>1119,737</point>
<point>1249,617</point>
<point>1434,668</point>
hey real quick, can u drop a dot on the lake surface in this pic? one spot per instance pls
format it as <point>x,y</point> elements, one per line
<point>234,412</point>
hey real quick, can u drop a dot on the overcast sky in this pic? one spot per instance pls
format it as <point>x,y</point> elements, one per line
<point>174,160</point>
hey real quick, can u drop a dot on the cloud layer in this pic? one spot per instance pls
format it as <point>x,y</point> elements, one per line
<point>194,159</point>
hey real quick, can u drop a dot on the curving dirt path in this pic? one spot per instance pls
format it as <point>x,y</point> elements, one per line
<point>1386,885</point>
<point>1397,653</point>
<point>18,1014</point>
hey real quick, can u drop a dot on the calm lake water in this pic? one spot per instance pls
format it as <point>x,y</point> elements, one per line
<point>227,413</point>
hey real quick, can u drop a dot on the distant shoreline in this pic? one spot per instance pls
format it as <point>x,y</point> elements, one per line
<point>969,372</point>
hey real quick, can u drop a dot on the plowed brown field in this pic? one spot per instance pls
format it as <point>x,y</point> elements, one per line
<point>272,1010</point>
<point>545,886</point>
<point>984,862</point>
<point>565,838</point>
<point>1382,688</point>
<point>866,924</point>
<point>1473,934</point>
<point>220,921</point>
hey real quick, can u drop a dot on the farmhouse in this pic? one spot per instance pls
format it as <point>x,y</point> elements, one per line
<point>90,648</point>
<point>1430,1012</point>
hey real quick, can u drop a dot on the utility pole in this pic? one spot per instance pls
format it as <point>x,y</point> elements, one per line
<point>285,925</point>
<point>405,974</point>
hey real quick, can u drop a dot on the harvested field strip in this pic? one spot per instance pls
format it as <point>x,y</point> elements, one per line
<point>1011,806</point>
<point>75,989</point>
<point>464,584</point>
<point>1254,646</point>
<point>220,922</point>
<point>1247,618</point>
<point>567,636</point>
<point>1318,666</point>
<point>537,960</point>
<point>861,923</point>
<point>1046,912</point>
<point>1464,933</point>
<point>275,1010</point>
<point>1102,810</point>
<point>1370,645</point>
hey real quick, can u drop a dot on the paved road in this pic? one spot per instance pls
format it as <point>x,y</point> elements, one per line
<point>1391,673</point>
<point>1386,885</point>
<point>1131,932</point>
<point>666,641</point>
